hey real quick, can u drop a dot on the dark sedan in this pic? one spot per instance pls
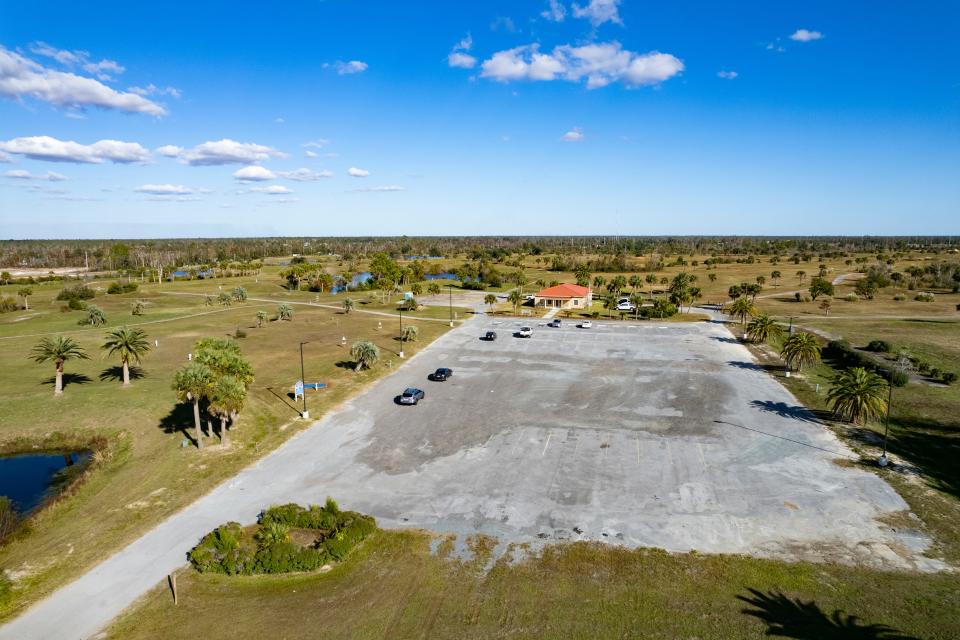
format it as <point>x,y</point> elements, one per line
<point>441,374</point>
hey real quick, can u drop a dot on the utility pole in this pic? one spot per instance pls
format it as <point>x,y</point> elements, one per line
<point>306,414</point>
<point>450,289</point>
<point>401,332</point>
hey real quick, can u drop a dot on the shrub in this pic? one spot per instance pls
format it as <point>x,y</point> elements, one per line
<point>949,377</point>
<point>797,296</point>
<point>899,378</point>
<point>923,367</point>
<point>473,285</point>
<point>222,551</point>
<point>8,304</point>
<point>879,346</point>
<point>899,297</point>
<point>935,372</point>
<point>76,292</point>
<point>122,287</point>
<point>851,297</point>
<point>76,304</point>
<point>924,297</point>
<point>239,333</point>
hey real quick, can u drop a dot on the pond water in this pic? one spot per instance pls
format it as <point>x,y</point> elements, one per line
<point>200,274</point>
<point>29,479</point>
<point>354,281</point>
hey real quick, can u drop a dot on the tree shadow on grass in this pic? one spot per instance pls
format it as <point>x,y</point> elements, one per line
<point>784,410</point>
<point>69,379</point>
<point>786,617</point>
<point>115,374</point>
<point>349,365</point>
<point>180,420</point>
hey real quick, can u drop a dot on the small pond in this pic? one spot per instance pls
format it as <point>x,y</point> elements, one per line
<point>354,281</point>
<point>27,480</point>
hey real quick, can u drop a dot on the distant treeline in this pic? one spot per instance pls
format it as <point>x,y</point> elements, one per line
<point>151,254</point>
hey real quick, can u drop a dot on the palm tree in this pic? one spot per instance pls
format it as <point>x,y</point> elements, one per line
<point>284,312</point>
<point>416,288</point>
<point>490,299</point>
<point>742,307</point>
<point>208,300</point>
<point>775,276</point>
<point>129,344</point>
<point>515,298</point>
<point>240,294</point>
<point>25,292</point>
<point>365,354</point>
<point>225,299</point>
<point>58,350</point>
<point>348,305</point>
<point>226,400</point>
<point>636,299</point>
<point>95,316</point>
<point>857,395</point>
<point>598,282</point>
<point>433,289</point>
<point>800,349</point>
<point>800,275</point>
<point>762,328</point>
<point>825,306</point>
<point>261,316</point>
<point>409,333</point>
<point>193,383</point>
<point>138,308</point>
<point>636,282</point>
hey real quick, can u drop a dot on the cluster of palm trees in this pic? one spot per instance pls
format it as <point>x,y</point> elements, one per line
<point>856,394</point>
<point>129,343</point>
<point>217,376</point>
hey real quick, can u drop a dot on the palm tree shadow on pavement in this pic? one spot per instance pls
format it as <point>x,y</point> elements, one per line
<point>786,617</point>
<point>784,410</point>
<point>115,374</point>
<point>69,379</point>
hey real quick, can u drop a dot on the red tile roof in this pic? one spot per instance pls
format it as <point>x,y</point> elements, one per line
<point>564,291</point>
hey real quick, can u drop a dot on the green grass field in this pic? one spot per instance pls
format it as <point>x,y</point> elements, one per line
<point>394,587</point>
<point>146,474</point>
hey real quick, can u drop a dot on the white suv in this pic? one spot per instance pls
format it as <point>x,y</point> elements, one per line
<point>525,332</point>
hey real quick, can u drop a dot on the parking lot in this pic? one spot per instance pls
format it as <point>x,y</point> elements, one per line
<point>645,434</point>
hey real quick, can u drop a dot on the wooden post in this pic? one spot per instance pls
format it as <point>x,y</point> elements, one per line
<point>172,579</point>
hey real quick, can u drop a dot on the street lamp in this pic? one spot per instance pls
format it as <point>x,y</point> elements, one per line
<point>450,289</point>
<point>901,364</point>
<point>401,331</point>
<point>306,414</point>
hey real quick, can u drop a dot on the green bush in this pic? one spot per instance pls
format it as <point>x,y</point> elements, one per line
<point>222,551</point>
<point>879,346</point>
<point>76,292</point>
<point>899,378</point>
<point>8,304</point>
<point>924,297</point>
<point>122,287</point>
<point>76,304</point>
<point>899,297</point>
<point>948,377</point>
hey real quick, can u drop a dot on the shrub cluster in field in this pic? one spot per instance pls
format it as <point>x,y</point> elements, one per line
<point>268,548</point>
<point>850,357</point>
<point>76,292</point>
<point>122,287</point>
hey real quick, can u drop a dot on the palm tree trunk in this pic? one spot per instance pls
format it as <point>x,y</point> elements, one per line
<point>58,387</point>
<point>224,439</point>
<point>126,373</point>
<point>196,422</point>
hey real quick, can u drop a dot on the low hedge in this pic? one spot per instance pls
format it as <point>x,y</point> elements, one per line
<point>266,548</point>
<point>847,356</point>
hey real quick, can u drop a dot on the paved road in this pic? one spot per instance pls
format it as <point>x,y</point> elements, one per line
<point>640,434</point>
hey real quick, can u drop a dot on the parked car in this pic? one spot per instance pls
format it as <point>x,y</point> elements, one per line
<point>626,306</point>
<point>525,332</point>
<point>411,396</point>
<point>586,324</point>
<point>555,323</point>
<point>441,374</point>
<point>490,336</point>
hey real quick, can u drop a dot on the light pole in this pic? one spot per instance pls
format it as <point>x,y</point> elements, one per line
<point>450,289</point>
<point>401,332</point>
<point>882,461</point>
<point>306,414</point>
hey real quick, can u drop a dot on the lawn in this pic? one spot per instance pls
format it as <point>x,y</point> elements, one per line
<point>145,474</point>
<point>394,587</point>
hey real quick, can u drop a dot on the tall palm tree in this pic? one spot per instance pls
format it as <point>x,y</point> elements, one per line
<point>129,344</point>
<point>261,316</point>
<point>490,299</point>
<point>635,281</point>
<point>800,349</point>
<point>365,354</point>
<point>857,395</point>
<point>741,308</point>
<point>515,298</point>
<point>284,312</point>
<point>25,293</point>
<point>227,398</point>
<point>58,350</point>
<point>348,305</point>
<point>636,299</point>
<point>762,327</point>
<point>193,383</point>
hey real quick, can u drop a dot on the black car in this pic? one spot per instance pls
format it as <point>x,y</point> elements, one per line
<point>441,374</point>
<point>490,336</point>
<point>411,396</point>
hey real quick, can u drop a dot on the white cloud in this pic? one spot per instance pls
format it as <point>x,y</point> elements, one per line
<point>167,189</point>
<point>465,44</point>
<point>152,89</point>
<point>505,23</point>
<point>727,75</point>
<point>49,176</point>
<point>319,143</point>
<point>357,173</point>
<point>311,154</point>
<point>574,135</point>
<point>599,11</point>
<point>254,173</point>
<point>305,175</point>
<point>461,60</point>
<point>170,150</point>
<point>20,77</point>
<point>599,64</point>
<point>105,69</point>
<point>53,150</point>
<point>384,189</point>
<point>803,35</point>
<point>273,190</point>
<point>228,152</point>
<point>350,67</point>
<point>555,12</point>
<point>4,157</point>
<point>279,120</point>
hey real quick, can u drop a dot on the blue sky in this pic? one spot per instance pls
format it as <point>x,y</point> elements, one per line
<point>494,118</point>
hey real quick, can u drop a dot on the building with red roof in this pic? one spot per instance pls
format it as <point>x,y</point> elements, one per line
<point>564,296</point>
